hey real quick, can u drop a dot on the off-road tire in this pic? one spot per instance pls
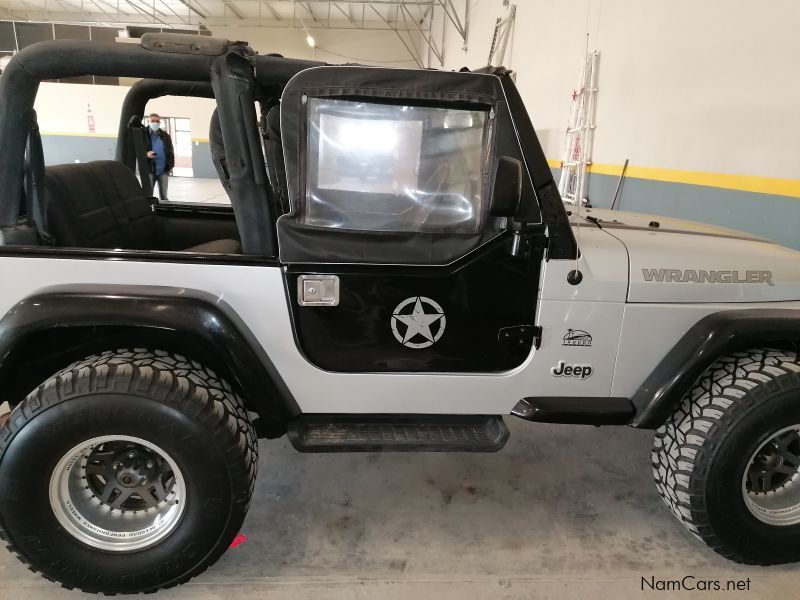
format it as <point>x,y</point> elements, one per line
<point>165,399</point>
<point>701,453</point>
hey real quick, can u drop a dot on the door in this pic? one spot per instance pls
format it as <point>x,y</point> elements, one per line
<point>399,246</point>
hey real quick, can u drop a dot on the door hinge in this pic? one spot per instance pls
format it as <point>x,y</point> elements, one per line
<point>519,339</point>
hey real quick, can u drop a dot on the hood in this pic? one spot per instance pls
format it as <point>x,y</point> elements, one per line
<point>677,261</point>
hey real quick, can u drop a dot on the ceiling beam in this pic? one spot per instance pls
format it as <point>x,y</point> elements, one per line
<point>198,12</point>
<point>346,14</point>
<point>367,2</point>
<point>232,7</point>
<point>270,23</point>
<point>427,39</point>
<point>167,6</point>
<point>452,14</point>
<point>275,13</point>
<point>307,8</point>
<point>399,35</point>
<point>135,17</point>
<point>145,12</point>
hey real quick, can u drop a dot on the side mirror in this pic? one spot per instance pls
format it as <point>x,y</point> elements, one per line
<point>507,189</point>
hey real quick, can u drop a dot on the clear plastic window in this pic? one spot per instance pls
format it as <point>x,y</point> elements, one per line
<point>381,167</point>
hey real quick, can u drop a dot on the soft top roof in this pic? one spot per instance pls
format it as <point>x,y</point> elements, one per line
<point>410,84</point>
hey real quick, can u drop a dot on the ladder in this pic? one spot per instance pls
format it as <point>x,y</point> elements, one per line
<point>502,33</point>
<point>580,134</point>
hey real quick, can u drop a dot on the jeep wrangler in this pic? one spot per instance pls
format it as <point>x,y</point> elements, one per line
<point>396,271</point>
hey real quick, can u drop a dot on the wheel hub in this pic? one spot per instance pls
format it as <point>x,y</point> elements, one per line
<point>132,470</point>
<point>109,477</point>
<point>775,463</point>
<point>771,483</point>
<point>127,477</point>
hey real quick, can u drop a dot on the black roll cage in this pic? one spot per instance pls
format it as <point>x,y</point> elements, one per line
<point>178,64</point>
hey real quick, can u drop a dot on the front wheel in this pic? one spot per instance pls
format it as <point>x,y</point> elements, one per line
<point>727,463</point>
<point>126,472</point>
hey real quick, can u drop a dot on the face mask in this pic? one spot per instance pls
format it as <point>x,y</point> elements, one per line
<point>155,126</point>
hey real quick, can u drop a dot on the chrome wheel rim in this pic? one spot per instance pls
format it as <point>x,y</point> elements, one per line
<point>771,481</point>
<point>117,493</point>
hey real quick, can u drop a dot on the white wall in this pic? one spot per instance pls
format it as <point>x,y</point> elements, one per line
<point>62,108</point>
<point>700,85</point>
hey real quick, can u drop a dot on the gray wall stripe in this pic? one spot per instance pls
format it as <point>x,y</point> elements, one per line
<point>62,149</point>
<point>766,215</point>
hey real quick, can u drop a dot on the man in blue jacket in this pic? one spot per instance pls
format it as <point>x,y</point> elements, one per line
<point>161,154</point>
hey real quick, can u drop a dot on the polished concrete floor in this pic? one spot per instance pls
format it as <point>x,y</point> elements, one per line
<point>560,512</point>
<point>195,189</point>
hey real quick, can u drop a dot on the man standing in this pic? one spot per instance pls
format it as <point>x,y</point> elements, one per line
<point>161,154</point>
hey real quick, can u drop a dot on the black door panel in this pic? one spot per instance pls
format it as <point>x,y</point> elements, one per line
<point>479,296</point>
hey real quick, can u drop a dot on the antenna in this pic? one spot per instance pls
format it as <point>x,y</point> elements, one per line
<point>619,184</point>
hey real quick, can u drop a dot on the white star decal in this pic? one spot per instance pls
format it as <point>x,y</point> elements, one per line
<point>418,322</point>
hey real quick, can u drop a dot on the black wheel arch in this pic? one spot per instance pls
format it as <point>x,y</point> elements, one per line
<point>712,337</point>
<point>45,332</point>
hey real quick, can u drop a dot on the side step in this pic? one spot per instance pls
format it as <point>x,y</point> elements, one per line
<point>398,433</point>
<point>579,411</point>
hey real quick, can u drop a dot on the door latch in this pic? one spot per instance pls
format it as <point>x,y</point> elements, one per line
<point>318,290</point>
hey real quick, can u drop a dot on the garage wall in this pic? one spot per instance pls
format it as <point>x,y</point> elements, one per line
<point>696,94</point>
<point>63,111</point>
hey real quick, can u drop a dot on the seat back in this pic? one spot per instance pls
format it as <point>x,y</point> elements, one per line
<point>99,204</point>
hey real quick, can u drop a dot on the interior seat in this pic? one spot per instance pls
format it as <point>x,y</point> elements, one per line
<point>101,204</point>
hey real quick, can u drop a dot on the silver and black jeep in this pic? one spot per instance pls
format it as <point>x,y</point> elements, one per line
<point>396,271</point>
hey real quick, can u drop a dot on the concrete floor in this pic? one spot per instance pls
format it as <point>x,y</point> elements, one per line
<point>560,512</point>
<point>196,189</point>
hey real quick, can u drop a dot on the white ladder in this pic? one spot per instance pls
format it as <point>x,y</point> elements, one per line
<point>580,134</point>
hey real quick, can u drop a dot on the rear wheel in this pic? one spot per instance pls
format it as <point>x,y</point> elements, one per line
<point>727,463</point>
<point>126,472</point>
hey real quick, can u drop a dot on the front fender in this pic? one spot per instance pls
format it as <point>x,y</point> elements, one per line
<point>711,338</point>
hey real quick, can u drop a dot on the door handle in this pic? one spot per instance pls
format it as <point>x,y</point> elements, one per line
<point>318,290</point>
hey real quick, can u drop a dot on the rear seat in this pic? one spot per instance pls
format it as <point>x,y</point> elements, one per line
<point>100,204</point>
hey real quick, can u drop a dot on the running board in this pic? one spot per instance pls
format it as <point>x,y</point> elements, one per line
<point>398,433</point>
<point>580,411</point>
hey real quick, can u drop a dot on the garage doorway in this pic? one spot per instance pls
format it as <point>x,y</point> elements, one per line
<point>180,130</point>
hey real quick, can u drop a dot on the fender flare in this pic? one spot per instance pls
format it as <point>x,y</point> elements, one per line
<point>711,338</point>
<point>197,315</point>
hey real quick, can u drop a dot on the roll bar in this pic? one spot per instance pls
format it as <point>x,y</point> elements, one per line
<point>70,58</point>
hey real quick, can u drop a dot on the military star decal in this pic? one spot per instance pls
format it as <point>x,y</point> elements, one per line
<point>418,322</point>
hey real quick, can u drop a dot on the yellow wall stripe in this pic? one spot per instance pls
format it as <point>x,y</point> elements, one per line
<point>744,183</point>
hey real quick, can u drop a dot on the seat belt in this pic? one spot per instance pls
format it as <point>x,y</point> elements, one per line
<point>137,136</point>
<point>35,194</point>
